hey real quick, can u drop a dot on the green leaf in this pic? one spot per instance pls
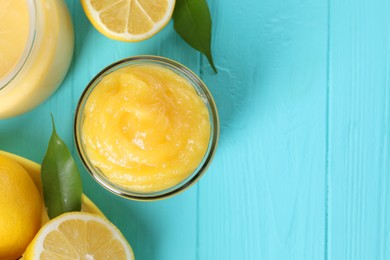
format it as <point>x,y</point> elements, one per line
<point>61,179</point>
<point>192,21</point>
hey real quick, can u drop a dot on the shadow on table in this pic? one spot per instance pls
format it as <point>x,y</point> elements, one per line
<point>17,135</point>
<point>231,91</point>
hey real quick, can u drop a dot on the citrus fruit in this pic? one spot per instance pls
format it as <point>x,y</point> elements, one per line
<point>34,170</point>
<point>128,20</point>
<point>21,209</point>
<point>79,235</point>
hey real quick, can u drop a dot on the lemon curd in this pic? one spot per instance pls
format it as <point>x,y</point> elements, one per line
<point>145,128</point>
<point>36,47</point>
<point>14,33</point>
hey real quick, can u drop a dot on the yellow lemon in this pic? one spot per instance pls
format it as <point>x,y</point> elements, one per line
<point>34,170</point>
<point>79,235</point>
<point>128,20</point>
<point>21,209</point>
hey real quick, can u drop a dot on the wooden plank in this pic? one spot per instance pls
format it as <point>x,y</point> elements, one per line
<point>158,230</point>
<point>264,196</point>
<point>359,120</point>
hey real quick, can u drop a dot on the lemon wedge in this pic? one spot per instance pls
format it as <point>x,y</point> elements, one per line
<point>128,20</point>
<point>79,235</point>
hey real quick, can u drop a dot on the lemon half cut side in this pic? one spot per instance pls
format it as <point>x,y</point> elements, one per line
<point>128,20</point>
<point>79,235</point>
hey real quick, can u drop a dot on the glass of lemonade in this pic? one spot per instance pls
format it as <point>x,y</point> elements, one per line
<point>36,48</point>
<point>146,128</point>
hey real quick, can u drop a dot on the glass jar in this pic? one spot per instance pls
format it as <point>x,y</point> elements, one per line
<point>83,112</point>
<point>46,57</point>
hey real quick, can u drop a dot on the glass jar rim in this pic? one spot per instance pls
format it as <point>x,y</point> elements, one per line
<point>32,10</point>
<point>198,85</point>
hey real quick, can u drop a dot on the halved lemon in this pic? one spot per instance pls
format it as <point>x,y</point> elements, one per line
<point>79,235</point>
<point>128,20</point>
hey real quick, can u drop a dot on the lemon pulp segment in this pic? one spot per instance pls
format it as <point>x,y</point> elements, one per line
<point>78,235</point>
<point>128,20</point>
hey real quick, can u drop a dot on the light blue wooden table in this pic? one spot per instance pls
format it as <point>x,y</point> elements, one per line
<point>303,166</point>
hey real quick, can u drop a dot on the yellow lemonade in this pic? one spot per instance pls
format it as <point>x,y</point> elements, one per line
<point>36,47</point>
<point>145,128</point>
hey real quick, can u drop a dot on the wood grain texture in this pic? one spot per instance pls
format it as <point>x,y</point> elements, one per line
<point>156,230</point>
<point>264,196</point>
<point>359,95</point>
<point>302,167</point>
<point>153,229</point>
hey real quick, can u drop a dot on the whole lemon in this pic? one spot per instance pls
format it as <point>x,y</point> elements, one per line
<point>20,209</point>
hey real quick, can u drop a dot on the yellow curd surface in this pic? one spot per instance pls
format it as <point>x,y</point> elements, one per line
<point>49,55</point>
<point>14,32</point>
<point>145,128</point>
